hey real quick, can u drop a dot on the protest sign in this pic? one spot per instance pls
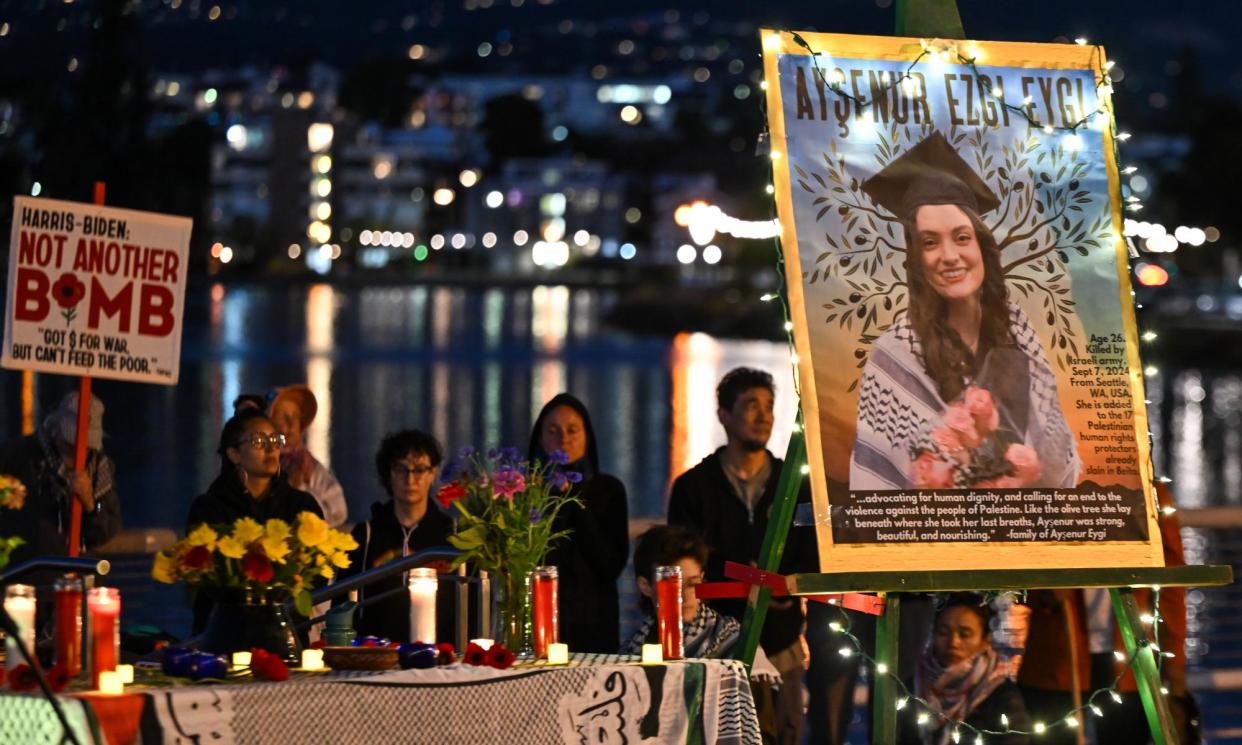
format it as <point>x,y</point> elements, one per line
<point>95,291</point>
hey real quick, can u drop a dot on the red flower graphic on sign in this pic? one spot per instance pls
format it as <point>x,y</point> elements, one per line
<point>68,292</point>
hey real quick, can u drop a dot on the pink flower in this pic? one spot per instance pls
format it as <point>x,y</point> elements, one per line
<point>1025,462</point>
<point>508,481</point>
<point>932,473</point>
<point>949,443</point>
<point>980,405</point>
<point>959,419</point>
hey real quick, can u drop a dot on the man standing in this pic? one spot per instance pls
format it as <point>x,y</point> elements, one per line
<point>727,498</point>
<point>43,462</point>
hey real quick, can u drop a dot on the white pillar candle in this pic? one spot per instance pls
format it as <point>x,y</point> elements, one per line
<point>312,659</point>
<point>110,682</point>
<point>422,585</point>
<point>652,653</point>
<point>558,654</point>
<point>241,659</point>
<point>126,672</point>
<point>486,644</point>
<point>19,604</point>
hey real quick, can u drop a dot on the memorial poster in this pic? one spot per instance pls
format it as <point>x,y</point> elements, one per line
<point>959,288</point>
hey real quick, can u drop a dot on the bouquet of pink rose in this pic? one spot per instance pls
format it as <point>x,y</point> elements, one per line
<point>970,447</point>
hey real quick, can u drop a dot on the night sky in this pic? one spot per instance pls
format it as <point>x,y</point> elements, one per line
<point>1149,40</point>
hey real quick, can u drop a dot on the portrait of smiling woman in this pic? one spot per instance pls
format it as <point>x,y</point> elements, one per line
<point>961,333</point>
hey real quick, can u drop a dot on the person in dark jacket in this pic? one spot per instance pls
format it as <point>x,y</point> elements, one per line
<point>591,559</point>
<point>250,484</point>
<point>727,498</point>
<point>43,462</point>
<point>961,677</point>
<point>404,524</point>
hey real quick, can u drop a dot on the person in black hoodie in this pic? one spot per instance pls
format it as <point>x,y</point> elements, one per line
<point>406,523</point>
<point>726,498</point>
<point>250,484</point>
<point>591,559</point>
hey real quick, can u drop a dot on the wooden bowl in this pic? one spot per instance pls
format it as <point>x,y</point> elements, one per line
<point>360,658</point>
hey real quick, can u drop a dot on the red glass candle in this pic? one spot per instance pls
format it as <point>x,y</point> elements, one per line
<point>69,624</point>
<point>668,610</point>
<point>547,618</point>
<point>104,606</point>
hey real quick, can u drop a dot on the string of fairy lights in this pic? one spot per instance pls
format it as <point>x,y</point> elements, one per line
<point>941,51</point>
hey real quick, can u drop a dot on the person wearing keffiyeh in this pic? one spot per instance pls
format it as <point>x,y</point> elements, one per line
<point>962,679</point>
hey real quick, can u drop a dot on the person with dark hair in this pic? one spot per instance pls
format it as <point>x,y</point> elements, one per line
<point>705,633</point>
<point>726,499</point>
<point>961,339</point>
<point>406,523</point>
<point>250,484</point>
<point>592,557</point>
<point>961,677</point>
<point>44,462</point>
<point>249,401</point>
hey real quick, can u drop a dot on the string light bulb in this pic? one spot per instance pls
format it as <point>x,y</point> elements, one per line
<point>1040,728</point>
<point>1071,721</point>
<point>1005,720</point>
<point>1115,696</point>
<point>924,717</point>
<point>901,702</point>
<point>768,297</point>
<point>845,652</point>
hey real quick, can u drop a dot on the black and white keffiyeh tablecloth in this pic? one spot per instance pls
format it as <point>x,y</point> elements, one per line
<point>594,699</point>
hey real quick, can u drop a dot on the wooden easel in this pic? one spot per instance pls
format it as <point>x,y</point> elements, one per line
<point>940,19</point>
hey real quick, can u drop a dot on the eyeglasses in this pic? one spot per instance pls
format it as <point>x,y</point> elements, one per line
<point>399,471</point>
<point>274,441</point>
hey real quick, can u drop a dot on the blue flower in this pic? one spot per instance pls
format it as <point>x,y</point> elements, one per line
<point>559,457</point>
<point>450,470</point>
<point>491,454</point>
<point>465,452</point>
<point>573,476</point>
<point>559,482</point>
<point>535,516</point>
<point>510,453</point>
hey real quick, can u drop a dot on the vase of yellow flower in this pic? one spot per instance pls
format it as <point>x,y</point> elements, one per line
<point>252,569</point>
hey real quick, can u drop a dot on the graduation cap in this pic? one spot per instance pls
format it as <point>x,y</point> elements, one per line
<point>931,172</point>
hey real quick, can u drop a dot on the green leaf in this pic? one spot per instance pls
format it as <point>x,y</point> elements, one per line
<point>302,601</point>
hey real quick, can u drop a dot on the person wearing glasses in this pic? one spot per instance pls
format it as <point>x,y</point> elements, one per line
<point>407,463</point>
<point>250,484</point>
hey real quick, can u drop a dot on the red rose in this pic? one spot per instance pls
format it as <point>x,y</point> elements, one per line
<point>270,667</point>
<point>68,291</point>
<point>980,405</point>
<point>932,473</point>
<point>962,422</point>
<point>499,657</point>
<point>196,558</point>
<point>22,678</point>
<point>1025,462</point>
<point>446,654</point>
<point>256,566</point>
<point>58,677</point>
<point>475,655</point>
<point>450,493</point>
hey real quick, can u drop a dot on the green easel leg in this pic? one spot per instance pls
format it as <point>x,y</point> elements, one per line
<point>884,689</point>
<point>1159,720</point>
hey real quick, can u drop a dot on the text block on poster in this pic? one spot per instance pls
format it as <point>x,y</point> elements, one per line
<point>95,291</point>
<point>960,294</point>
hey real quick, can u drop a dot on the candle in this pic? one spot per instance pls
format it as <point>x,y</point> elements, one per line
<point>110,682</point>
<point>69,624</point>
<point>241,659</point>
<point>312,659</point>
<point>486,644</point>
<point>652,654</point>
<point>546,617</point>
<point>19,604</point>
<point>126,672</point>
<point>668,610</point>
<point>558,654</point>
<point>104,606</point>
<point>423,584</point>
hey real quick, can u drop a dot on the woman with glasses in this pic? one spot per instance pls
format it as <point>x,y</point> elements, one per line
<point>407,463</point>
<point>250,484</point>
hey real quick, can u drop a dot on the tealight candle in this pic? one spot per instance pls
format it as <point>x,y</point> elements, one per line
<point>652,654</point>
<point>104,606</point>
<point>126,672</point>
<point>558,653</point>
<point>241,659</point>
<point>312,659</point>
<point>110,682</point>
<point>486,644</point>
